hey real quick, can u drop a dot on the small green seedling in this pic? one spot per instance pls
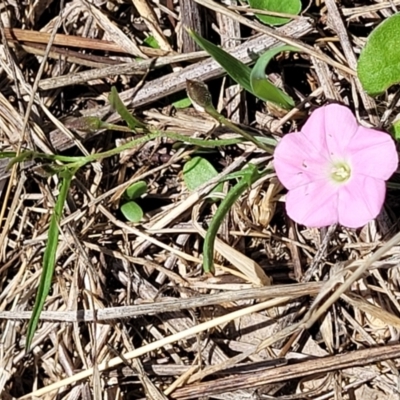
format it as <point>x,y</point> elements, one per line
<point>130,209</point>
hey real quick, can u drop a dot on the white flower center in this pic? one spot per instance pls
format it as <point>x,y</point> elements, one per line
<point>341,172</point>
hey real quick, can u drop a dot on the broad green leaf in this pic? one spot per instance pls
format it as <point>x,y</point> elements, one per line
<point>117,104</point>
<point>279,6</point>
<point>379,63</point>
<point>49,257</point>
<point>183,103</point>
<point>132,211</point>
<point>262,87</point>
<point>198,171</point>
<point>241,73</point>
<point>151,42</point>
<point>136,190</point>
<point>395,130</point>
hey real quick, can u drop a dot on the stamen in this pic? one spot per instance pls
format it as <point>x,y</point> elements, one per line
<point>341,172</point>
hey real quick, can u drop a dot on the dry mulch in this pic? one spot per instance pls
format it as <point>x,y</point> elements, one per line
<point>291,312</point>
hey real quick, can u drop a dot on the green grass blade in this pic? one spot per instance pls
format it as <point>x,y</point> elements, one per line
<point>238,71</point>
<point>262,87</point>
<point>49,258</point>
<point>7,154</point>
<point>117,104</point>
<point>249,176</point>
<point>254,81</point>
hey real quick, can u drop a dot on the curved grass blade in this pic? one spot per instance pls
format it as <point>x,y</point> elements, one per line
<point>117,104</point>
<point>262,87</point>
<point>249,176</point>
<point>238,71</point>
<point>254,81</point>
<point>49,257</point>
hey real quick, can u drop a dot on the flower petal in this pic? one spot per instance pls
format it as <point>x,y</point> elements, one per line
<point>373,153</point>
<point>360,201</point>
<point>296,162</point>
<point>313,205</point>
<point>330,129</point>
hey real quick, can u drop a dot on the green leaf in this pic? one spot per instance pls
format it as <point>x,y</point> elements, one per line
<point>249,176</point>
<point>242,74</point>
<point>151,42</point>
<point>7,154</point>
<point>198,171</point>
<point>279,6</point>
<point>262,87</point>
<point>270,141</point>
<point>238,71</point>
<point>117,104</point>
<point>132,211</point>
<point>183,103</point>
<point>395,130</point>
<point>379,63</point>
<point>49,257</point>
<point>136,190</point>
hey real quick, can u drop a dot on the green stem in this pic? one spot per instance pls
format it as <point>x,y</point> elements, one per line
<point>221,119</point>
<point>174,136</point>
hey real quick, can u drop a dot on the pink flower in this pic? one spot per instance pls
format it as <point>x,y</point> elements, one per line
<point>335,170</point>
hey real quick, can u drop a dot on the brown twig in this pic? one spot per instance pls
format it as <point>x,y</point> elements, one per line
<point>289,372</point>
